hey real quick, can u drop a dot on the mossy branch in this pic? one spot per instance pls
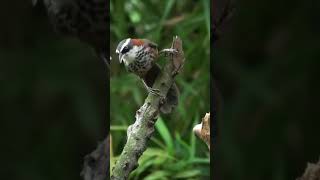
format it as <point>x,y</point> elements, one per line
<point>139,133</point>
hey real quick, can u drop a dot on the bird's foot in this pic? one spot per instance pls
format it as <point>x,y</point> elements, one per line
<point>167,52</point>
<point>154,91</point>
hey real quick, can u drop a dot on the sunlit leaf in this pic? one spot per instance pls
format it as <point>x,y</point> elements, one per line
<point>188,173</point>
<point>165,134</point>
<point>157,175</point>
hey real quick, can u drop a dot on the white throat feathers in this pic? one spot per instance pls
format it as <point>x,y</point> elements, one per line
<point>130,56</point>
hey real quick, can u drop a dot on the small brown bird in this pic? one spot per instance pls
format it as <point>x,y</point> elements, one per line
<point>139,56</point>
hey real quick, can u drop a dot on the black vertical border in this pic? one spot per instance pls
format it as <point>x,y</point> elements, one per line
<point>213,95</point>
<point>108,71</point>
<point>108,82</point>
<point>212,112</point>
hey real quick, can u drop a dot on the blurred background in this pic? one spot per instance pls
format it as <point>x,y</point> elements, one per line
<point>52,97</point>
<point>53,91</point>
<point>174,151</point>
<point>267,69</point>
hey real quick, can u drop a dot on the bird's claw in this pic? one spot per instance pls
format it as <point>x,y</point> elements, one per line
<point>157,92</point>
<point>176,70</point>
<point>162,100</point>
<point>154,91</point>
<point>167,52</point>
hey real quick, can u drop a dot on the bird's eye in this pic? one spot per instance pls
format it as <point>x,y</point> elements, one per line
<point>125,49</point>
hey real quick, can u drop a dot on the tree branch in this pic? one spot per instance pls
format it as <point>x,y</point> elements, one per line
<point>140,132</point>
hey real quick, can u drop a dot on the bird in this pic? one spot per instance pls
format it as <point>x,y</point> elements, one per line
<point>138,57</point>
<point>86,20</point>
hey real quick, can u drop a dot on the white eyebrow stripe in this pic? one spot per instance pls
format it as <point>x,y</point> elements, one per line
<point>125,44</point>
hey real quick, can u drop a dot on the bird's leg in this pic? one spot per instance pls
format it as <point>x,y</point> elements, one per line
<point>152,90</point>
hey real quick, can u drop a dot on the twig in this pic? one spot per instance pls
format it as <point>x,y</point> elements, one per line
<point>141,131</point>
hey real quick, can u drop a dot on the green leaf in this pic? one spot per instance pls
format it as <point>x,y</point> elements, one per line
<point>206,6</point>
<point>188,173</point>
<point>157,175</point>
<point>137,96</point>
<point>165,134</point>
<point>193,138</point>
<point>118,128</point>
<point>145,164</point>
<point>135,17</point>
<point>165,15</point>
<point>200,161</point>
<point>158,142</point>
<point>178,166</point>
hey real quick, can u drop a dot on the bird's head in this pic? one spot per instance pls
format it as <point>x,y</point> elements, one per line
<point>128,48</point>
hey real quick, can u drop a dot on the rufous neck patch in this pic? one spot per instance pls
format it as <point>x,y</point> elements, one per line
<point>137,42</point>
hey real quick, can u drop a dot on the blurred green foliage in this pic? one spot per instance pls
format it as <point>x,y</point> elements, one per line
<point>173,152</point>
